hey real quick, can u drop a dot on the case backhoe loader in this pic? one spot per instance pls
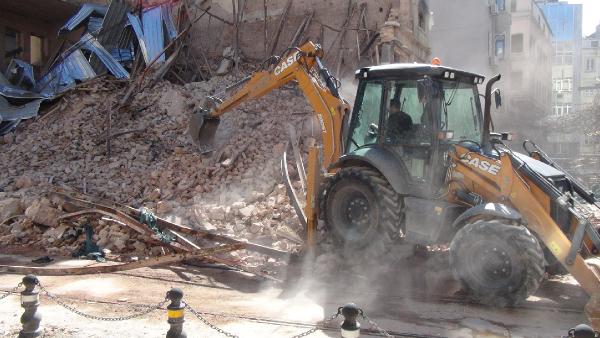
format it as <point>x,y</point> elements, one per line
<point>415,158</point>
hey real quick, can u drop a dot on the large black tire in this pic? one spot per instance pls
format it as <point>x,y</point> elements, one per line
<point>362,212</point>
<point>498,263</point>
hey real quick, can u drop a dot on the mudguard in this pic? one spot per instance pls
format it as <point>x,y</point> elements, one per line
<point>495,210</point>
<point>382,158</point>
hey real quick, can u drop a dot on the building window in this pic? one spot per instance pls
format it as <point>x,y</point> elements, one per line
<point>568,84</point>
<point>499,46</point>
<point>563,58</point>
<point>513,5</point>
<point>590,65</point>
<point>423,10</point>
<point>563,85</point>
<point>562,110</point>
<point>568,59</point>
<point>591,139</point>
<point>500,6</point>
<point>516,43</point>
<point>594,44</point>
<point>36,48</point>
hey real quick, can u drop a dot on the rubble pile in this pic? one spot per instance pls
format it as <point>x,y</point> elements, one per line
<point>235,189</point>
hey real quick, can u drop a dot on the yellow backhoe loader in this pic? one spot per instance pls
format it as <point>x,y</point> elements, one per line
<point>415,158</point>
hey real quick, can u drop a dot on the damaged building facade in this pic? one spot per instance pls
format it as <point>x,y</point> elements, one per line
<point>97,39</point>
<point>29,29</point>
<point>353,33</point>
<point>75,43</point>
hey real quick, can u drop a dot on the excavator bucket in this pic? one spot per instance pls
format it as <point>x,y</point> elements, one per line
<point>202,129</point>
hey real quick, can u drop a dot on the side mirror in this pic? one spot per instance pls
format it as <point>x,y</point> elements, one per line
<point>498,98</point>
<point>373,130</point>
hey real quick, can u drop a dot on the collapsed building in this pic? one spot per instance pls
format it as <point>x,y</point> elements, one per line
<point>108,117</point>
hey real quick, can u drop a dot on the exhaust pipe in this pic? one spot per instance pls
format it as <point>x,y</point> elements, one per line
<point>487,115</point>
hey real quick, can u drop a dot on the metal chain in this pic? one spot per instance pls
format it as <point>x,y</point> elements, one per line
<point>108,319</point>
<point>8,293</point>
<point>319,325</point>
<point>376,327</point>
<point>209,324</point>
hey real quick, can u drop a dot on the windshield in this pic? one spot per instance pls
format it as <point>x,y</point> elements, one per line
<point>461,111</point>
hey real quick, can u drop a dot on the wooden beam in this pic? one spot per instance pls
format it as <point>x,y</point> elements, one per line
<point>95,269</point>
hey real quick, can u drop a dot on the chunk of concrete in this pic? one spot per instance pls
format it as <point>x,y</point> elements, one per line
<point>43,214</point>
<point>10,207</point>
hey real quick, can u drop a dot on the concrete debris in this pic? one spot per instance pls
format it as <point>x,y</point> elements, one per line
<point>159,169</point>
<point>10,207</point>
<point>43,214</point>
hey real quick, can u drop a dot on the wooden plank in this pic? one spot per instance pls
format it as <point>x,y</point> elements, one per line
<point>266,32</point>
<point>132,215</point>
<point>95,269</point>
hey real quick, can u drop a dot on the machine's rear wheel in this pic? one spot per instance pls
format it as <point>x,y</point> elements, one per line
<point>498,263</point>
<point>362,212</point>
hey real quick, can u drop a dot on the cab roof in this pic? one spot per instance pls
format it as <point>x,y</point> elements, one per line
<point>415,71</point>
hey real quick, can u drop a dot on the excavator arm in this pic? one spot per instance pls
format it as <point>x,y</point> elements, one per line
<point>301,65</point>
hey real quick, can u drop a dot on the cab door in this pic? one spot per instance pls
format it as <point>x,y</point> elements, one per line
<point>365,121</point>
<point>415,143</point>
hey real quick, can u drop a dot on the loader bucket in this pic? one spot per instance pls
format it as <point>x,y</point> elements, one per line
<point>202,129</point>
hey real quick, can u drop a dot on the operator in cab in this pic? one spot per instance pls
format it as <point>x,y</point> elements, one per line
<point>399,123</point>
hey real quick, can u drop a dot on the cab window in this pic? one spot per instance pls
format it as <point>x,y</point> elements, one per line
<point>365,122</point>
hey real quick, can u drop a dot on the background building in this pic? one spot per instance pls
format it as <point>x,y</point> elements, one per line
<point>508,37</point>
<point>566,22</point>
<point>590,80</point>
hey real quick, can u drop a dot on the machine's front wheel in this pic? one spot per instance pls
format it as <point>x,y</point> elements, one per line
<point>498,263</point>
<point>362,212</point>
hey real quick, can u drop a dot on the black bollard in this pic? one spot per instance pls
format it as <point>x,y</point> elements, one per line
<point>175,312</point>
<point>30,300</point>
<point>582,331</point>
<point>350,326</point>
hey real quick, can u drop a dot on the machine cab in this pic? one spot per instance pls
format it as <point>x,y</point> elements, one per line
<point>415,111</point>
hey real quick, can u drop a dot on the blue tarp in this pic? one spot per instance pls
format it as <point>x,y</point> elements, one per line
<point>114,67</point>
<point>84,13</point>
<point>94,24</point>
<point>18,93</point>
<point>136,24</point>
<point>150,31</point>
<point>22,70</point>
<point>9,112</point>
<point>64,75</point>
<point>122,54</point>
<point>167,16</point>
<point>153,33</point>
